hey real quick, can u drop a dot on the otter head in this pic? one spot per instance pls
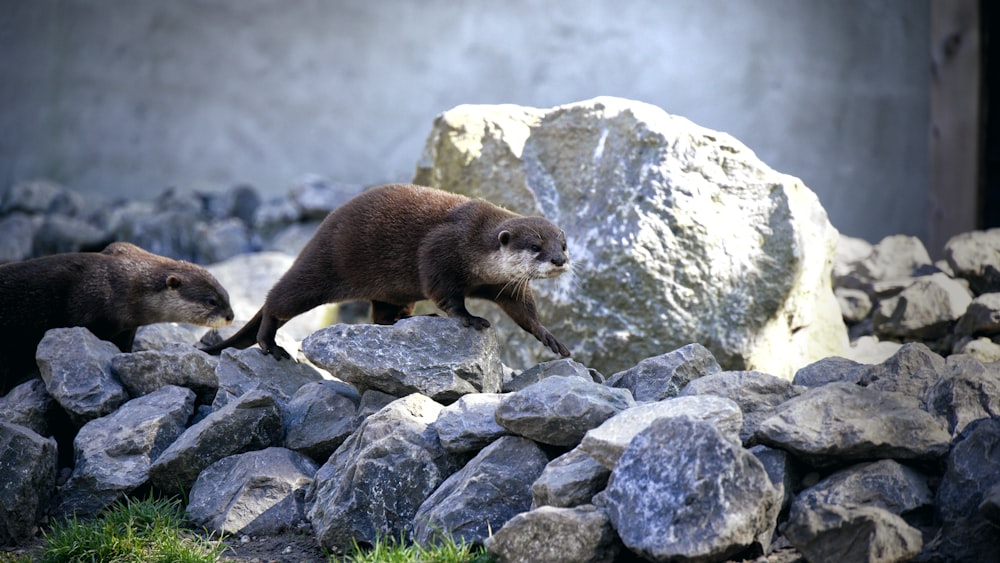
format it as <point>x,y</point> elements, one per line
<point>189,294</point>
<point>532,248</point>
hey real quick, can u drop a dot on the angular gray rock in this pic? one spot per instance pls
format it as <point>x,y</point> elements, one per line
<point>435,356</point>
<point>319,417</point>
<point>144,372</point>
<point>38,197</point>
<point>895,257</point>
<point>843,421</point>
<point>827,533</point>
<point>256,493</point>
<point>27,405</point>
<point>983,349</point>
<point>222,239</point>
<point>562,366</point>
<point>374,483</point>
<point>76,368</point>
<point>252,422</point>
<point>27,481</point>
<point>165,336</point>
<point>239,371</point>
<point>926,310</point>
<point>982,317</point>
<point>968,391</point>
<point>468,425</point>
<point>556,535</point>
<point>975,256</point>
<point>607,442</point>
<point>17,236</point>
<point>757,394</point>
<point>571,479</point>
<point>911,370</point>
<point>855,304</point>
<point>113,453</point>
<point>559,410</point>
<point>662,377</point>
<point>490,490</point>
<point>884,484</point>
<point>830,369</point>
<point>973,468</point>
<point>715,247</point>
<point>782,471</point>
<point>682,491</point>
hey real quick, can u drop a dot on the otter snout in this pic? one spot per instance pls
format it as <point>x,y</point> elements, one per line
<point>559,260</point>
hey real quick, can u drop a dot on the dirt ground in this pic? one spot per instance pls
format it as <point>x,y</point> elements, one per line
<point>291,547</point>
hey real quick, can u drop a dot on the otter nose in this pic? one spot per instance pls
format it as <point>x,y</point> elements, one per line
<point>559,260</point>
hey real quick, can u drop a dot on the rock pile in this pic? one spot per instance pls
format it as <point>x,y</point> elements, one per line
<point>900,458</point>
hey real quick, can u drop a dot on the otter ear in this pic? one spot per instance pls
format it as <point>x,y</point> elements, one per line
<point>173,281</point>
<point>504,238</point>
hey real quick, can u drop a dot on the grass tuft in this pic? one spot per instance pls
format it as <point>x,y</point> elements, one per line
<point>392,550</point>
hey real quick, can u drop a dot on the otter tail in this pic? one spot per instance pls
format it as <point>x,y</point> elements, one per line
<point>244,337</point>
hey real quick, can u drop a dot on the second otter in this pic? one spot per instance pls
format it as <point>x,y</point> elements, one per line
<point>397,244</point>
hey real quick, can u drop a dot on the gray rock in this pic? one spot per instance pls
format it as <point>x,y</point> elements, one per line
<point>490,490</point>
<point>27,405</point>
<point>828,370</point>
<point>38,197</point>
<point>291,239</point>
<point>571,479</point>
<point>17,237</point>
<point>563,366</point>
<point>556,535</point>
<point>253,422</point>
<point>372,486</point>
<point>964,539</point>
<point>912,370</point>
<point>240,201</point>
<point>435,356</point>
<point>255,493</point>
<point>607,442</point>
<point>855,304</point>
<point>239,371</point>
<point>982,316</point>
<point>883,484</point>
<point>221,240</point>
<point>682,491</point>
<point>781,470</point>
<point>316,196</point>
<point>757,394</point>
<point>319,417</point>
<point>27,481</point>
<point>975,256</point>
<point>850,252</point>
<point>662,377</point>
<point>714,246</point>
<point>372,401</point>
<point>560,410</point>
<point>166,336</point>
<point>247,293</point>
<point>968,391</point>
<point>869,349</point>
<point>144,372</point>
<point>113,453</point>
<point>843,421</point>
<point>926,310</point>
<point>58,233</point>
<point>76,368</point>
<point>973,468</point>
<point>468,425</point>
<point>990,507</point>
<point>274,215</point>
<point>896,257</point>
<point>983,349</point>
<point>826,533</point>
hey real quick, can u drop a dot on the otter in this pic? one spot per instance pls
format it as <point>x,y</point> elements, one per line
<point>397,244</point>
<point>111,293</point>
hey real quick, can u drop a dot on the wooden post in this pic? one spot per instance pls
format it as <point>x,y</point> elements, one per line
<point>956,125</point>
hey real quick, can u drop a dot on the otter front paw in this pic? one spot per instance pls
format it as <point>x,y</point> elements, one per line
<point>477,323</point>
<point>272,349</point>
<point>553,344</point>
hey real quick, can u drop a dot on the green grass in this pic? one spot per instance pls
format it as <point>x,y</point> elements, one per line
<point>147,530</point>
<point>391,550</point>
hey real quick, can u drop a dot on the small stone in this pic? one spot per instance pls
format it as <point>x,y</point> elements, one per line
<point>571,479</point>
<point>662,377</point>
<point>468,424</point>
<point>925,310</point>
<point>975,256</point>
<point>556,535</point>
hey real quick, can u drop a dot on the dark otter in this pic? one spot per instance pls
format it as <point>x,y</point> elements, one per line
<point>397,244</point>
<point>112,293</point>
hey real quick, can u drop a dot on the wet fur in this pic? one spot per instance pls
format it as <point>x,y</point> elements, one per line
<point>111,293</point>
<point>398,244</point>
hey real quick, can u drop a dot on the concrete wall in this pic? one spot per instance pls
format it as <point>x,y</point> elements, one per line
<point>130,97</point>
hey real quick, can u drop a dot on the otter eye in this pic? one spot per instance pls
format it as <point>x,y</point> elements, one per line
<point>536,248</point>
<point>212,302</point>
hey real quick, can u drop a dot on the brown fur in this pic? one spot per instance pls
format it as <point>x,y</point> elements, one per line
<point>111,293</point>
<point>397,244</point>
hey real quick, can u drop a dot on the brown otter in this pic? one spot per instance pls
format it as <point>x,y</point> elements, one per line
<point>397,244</point>
<point>112,293</point>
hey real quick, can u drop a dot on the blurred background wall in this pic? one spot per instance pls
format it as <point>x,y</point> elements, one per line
<point>129,98</point>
